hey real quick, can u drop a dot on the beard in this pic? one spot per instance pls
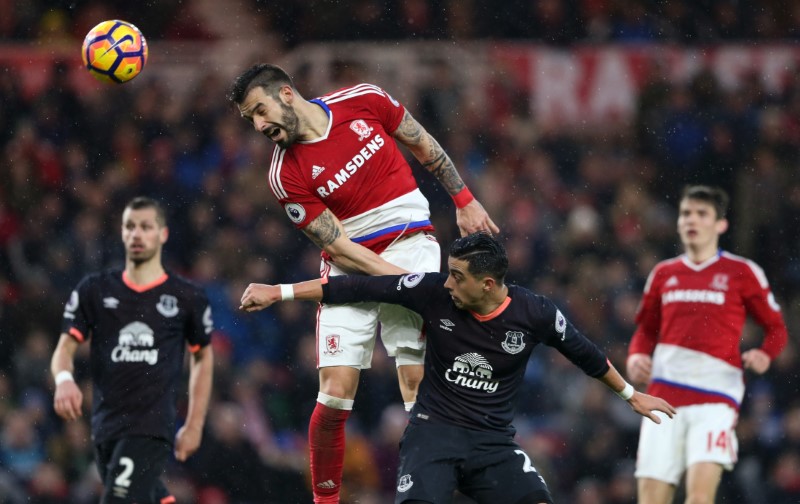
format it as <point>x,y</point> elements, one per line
<point>290,126</point>
<point>141,257</point>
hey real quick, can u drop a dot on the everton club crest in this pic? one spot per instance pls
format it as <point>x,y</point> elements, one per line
<point>513,343</point>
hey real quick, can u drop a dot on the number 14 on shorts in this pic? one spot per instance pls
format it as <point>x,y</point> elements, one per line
<point>720,440</point>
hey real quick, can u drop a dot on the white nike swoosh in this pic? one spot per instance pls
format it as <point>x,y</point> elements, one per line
<point>127,37</point>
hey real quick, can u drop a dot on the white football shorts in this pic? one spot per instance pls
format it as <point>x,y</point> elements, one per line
<point>346,333</point>
<point>697,433</point>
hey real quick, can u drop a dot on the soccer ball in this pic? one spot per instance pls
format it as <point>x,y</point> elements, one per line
<point>114,51</point>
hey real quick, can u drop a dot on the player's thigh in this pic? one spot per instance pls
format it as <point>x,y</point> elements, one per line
<point>702,481</point>
<point>429,457</point>
<point>499,470</point>
<point>133,471</point>
<point>712,435</point>
<point>346,334</point>
<point>662,449</point>
<point>653,491</point>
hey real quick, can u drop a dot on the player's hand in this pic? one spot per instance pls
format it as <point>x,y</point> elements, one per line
<point>639,367</point>
<point>187,441</point>
<point>68,400</point>
<point>259,296</point>
<point>473,218</point>
<point>756,360</point>
<point>645,405</point>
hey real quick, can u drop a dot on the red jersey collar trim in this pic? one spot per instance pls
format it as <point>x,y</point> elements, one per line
<point>141,288</point>
<point>497,311</point>
<point>703,265</point>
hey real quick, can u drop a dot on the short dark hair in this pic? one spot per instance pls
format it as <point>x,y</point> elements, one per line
<point>483,253</point>
<point>140,202</point>
<point>715,196</point>
<point>263,75</point>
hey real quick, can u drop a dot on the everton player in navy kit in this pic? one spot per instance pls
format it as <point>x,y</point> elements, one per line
<point>480,334</point>
<point>139,322</point>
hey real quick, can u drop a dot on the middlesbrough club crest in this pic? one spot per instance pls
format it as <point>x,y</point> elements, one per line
<point>360,127</point>
<point>332,345</point>
<point>720,282</point>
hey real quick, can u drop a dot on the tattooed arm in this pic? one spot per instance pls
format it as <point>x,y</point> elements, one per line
<point>327,232</point>
<point>432,156</point>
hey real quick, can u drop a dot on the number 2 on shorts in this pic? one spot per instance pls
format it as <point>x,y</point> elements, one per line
<point>526,466</point>
<point>124,478</point>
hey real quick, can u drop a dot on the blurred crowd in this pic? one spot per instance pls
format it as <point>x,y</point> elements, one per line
<point>584,217</point>
<point>560,22</point>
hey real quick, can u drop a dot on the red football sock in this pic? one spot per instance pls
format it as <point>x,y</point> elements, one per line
<point>326,446</point>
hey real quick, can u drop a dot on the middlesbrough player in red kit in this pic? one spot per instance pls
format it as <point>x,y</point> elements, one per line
<point>343,181</point>
<point>686,348</point>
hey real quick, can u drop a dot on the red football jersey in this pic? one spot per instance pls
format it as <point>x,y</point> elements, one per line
<point>691,319</point>
<point>355,169</point>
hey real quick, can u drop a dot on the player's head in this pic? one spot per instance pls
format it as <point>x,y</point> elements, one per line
<point>264,94</point>
<point>701,216</point>
<point>714,196</point>
<point>144,230</point>
<point>477,265</point>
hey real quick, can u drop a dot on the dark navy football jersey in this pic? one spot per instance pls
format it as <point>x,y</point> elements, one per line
<point>138,337</point>
<point>474,364</point>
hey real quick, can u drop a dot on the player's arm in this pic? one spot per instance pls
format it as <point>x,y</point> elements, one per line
<point>68,397</point>
<point>560,334</point>
<point>201,374</point>
<point>327,232</point>
<point>470,214</point>
<point>259,296</point>
<point>640,402</point>
<point>341,290</point>
<point>760,303</point>
<point>639,364</point>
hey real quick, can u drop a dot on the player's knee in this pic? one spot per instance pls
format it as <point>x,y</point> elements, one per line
<point>341,382</point>
<point>411,376</point>
<point>333,388</point>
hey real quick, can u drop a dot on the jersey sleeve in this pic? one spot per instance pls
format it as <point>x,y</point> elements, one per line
<point>200,325</point>
<point>77,319</point>
<point>556,331</point>
<point>388,110</point>
<point>412,291</point>
<point>760,303</point>
<point>648,317</point>
<point>298,201</point>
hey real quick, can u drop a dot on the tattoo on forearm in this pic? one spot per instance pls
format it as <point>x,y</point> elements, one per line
<point>435,160</point>
<point>323,230</point>
<point>443,169</point>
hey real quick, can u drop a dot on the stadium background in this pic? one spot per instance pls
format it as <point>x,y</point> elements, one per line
<point>575,122</point>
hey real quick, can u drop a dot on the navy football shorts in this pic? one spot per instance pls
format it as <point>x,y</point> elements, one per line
<point>435,460</point>
<point>131,469</point>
